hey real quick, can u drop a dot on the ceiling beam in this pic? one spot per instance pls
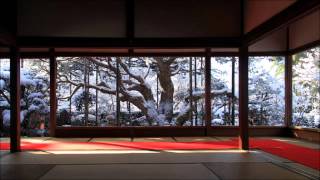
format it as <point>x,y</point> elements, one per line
<point>290,14</point>
<point>128,42</point>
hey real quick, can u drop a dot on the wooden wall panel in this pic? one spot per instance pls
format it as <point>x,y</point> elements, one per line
<point>72,18</point>
<point>7,16</point>
<point>275,42</point>
<point>8,25</point>
<point>306,134</point>
<point>305,30</point>
<point>187,18</point>
<point>258,11</point>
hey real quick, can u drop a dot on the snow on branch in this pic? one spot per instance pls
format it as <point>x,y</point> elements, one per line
<point>200,94</point>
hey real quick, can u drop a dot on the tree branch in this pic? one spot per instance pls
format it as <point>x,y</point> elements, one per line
<point>4,95</point>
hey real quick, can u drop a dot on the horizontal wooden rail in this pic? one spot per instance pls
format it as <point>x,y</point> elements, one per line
<point>167,131</point>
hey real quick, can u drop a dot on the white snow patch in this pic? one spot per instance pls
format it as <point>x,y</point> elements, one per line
<point>217,121</point>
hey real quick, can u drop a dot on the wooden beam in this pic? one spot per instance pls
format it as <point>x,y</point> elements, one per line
<point>53,95</point>
<point>129,43</point>
<point>243,98</point>
<point>129,54</point>
<point>207,77</point>
<point>165,131</point>
<point>279,53</point>
<point>290,14</point>
<point>15,100</point>
<point>304,47</point>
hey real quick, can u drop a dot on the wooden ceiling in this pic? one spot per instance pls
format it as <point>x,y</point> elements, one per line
<point>159,23</point>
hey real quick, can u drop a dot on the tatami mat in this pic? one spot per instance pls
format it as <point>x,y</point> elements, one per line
<point>254,171</point>
<point>131,171</point>
<point>74,160</point>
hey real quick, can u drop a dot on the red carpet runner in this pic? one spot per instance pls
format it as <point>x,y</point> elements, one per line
<point>303,155</point>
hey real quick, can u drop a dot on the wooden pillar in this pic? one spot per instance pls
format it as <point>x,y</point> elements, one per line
<point>243,87</point>
<point>288,90</point>
<point>243,98</point>
<point>15,100</point>
<point>190,90</point>
<point>86,92</point>
<point>97,74</point>
<point>207,90</point>
<point>128,103</point>
<point>117,92</point>
<point>233,91</point>
<point>53,95</point>
<point>288,85</point>
<point>195,87</point>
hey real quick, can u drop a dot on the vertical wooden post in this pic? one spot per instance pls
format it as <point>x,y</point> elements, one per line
<point>202,83</point>
<point>195,87</point>
<point>157,90</point>
<point>86,91</point>
<point>243,98</point>
<point>129,104</point>
<point>233,91</point>
<point>117,92</point>
<point>70,92</point>
<point>190,90</point>
<point>15,100</point>
<point>288,85</point>
<point>207,90</point>
<point>288,91</point>
<point>243,87</point>
<point>97,71</point>
<point>53,95</point>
